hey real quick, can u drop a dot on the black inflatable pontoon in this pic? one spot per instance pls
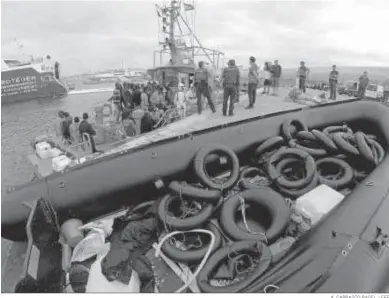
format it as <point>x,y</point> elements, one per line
<point>345,252</point>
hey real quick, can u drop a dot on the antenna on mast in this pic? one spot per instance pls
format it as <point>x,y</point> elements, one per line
<point>177,36</point>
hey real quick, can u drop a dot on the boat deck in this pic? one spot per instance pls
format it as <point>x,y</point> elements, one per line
<point>265,104</point>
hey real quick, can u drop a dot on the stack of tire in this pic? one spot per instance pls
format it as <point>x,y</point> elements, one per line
<point>291,165</point>
<point>231,236</point>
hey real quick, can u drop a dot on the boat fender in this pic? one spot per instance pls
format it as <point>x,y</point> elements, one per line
<point>250,172</point>
<point>309,165</point>
<point>109,106</point>
<point>295,192</point>
<point>270,143</point>
<point>305,135</point>
<point>334,129</point>
<point>199,166</point>
<point>264,197</point>
<point>300,126</point>
<point>316,152</point>
<point>203,279</point>
<point>193,255</point>
<point>343,143</point>
<point>196,193</point>
<point>363,147</point>
<point>325,140</point>
<point>346,169</point>
<point>184,224</point>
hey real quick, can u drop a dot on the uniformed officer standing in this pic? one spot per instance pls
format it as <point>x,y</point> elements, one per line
<point>202,88</point>
<point>231,78</point>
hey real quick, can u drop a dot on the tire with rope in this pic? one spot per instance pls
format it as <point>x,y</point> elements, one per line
<point>188,191</point>
<point>277,177</point>
<point>182,224</point>
<point>200,162</point>
<point>203,279</point>
<point>345,170</point>
<point>286,125</point>
<point>265,198</point>
<point>192,255</point>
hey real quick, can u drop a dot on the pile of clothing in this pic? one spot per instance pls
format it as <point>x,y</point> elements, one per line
<point>114,259</point>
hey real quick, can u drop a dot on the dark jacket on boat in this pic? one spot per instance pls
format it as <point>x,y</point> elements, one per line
<point>128,251</point>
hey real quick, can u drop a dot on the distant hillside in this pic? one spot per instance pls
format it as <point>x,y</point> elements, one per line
<point>376,74</point>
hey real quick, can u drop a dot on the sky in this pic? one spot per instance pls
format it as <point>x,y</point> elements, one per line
<point>90,36</point>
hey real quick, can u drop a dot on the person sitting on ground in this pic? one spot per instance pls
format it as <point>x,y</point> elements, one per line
<point>86,127</point>
<point>129,126</point>
<point>75,131</point>
<point>147,123</point>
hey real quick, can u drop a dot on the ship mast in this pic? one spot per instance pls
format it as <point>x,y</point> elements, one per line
<point>177,35</point>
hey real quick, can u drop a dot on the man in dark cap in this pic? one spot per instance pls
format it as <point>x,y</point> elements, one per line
<point>333,81</point>
<point>253,82</point>
<point>202,88</point>
<point>231,79</point>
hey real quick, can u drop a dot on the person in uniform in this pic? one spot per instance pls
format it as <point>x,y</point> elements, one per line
<point>202,88</point>
<point>333,81</point>
<point>231,78</point>
<point>363,82</point>
<point>302,74</point>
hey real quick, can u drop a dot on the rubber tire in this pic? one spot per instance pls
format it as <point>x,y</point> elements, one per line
<point>305,135</point>
<point>311,151</point>
<point>334,129</point>
<point>309,162</point>
<point>196,193</point>
<point>342,182</point>
<point>380,153</point>
<point>284,162</point>
<point>182,224</point>
<point>194,255</point>
<point>286,127</point>
<point>243,178</point>
<point>218,256</point>
<point>344,145</point>
<point>363,147</point>
<point>265,197</point>
<point>325,140</point>
<point>199,166</point>
<point>296,193</point>
<point>269,144</point>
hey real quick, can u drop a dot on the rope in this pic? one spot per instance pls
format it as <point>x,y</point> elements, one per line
<point>265,289</point>
<point>202,264</point>
<point>243,205</point>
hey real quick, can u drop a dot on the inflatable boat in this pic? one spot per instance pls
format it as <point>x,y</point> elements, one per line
<point>346,251</point>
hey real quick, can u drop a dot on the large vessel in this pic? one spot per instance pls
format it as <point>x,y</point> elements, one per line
<point>32,78</point>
